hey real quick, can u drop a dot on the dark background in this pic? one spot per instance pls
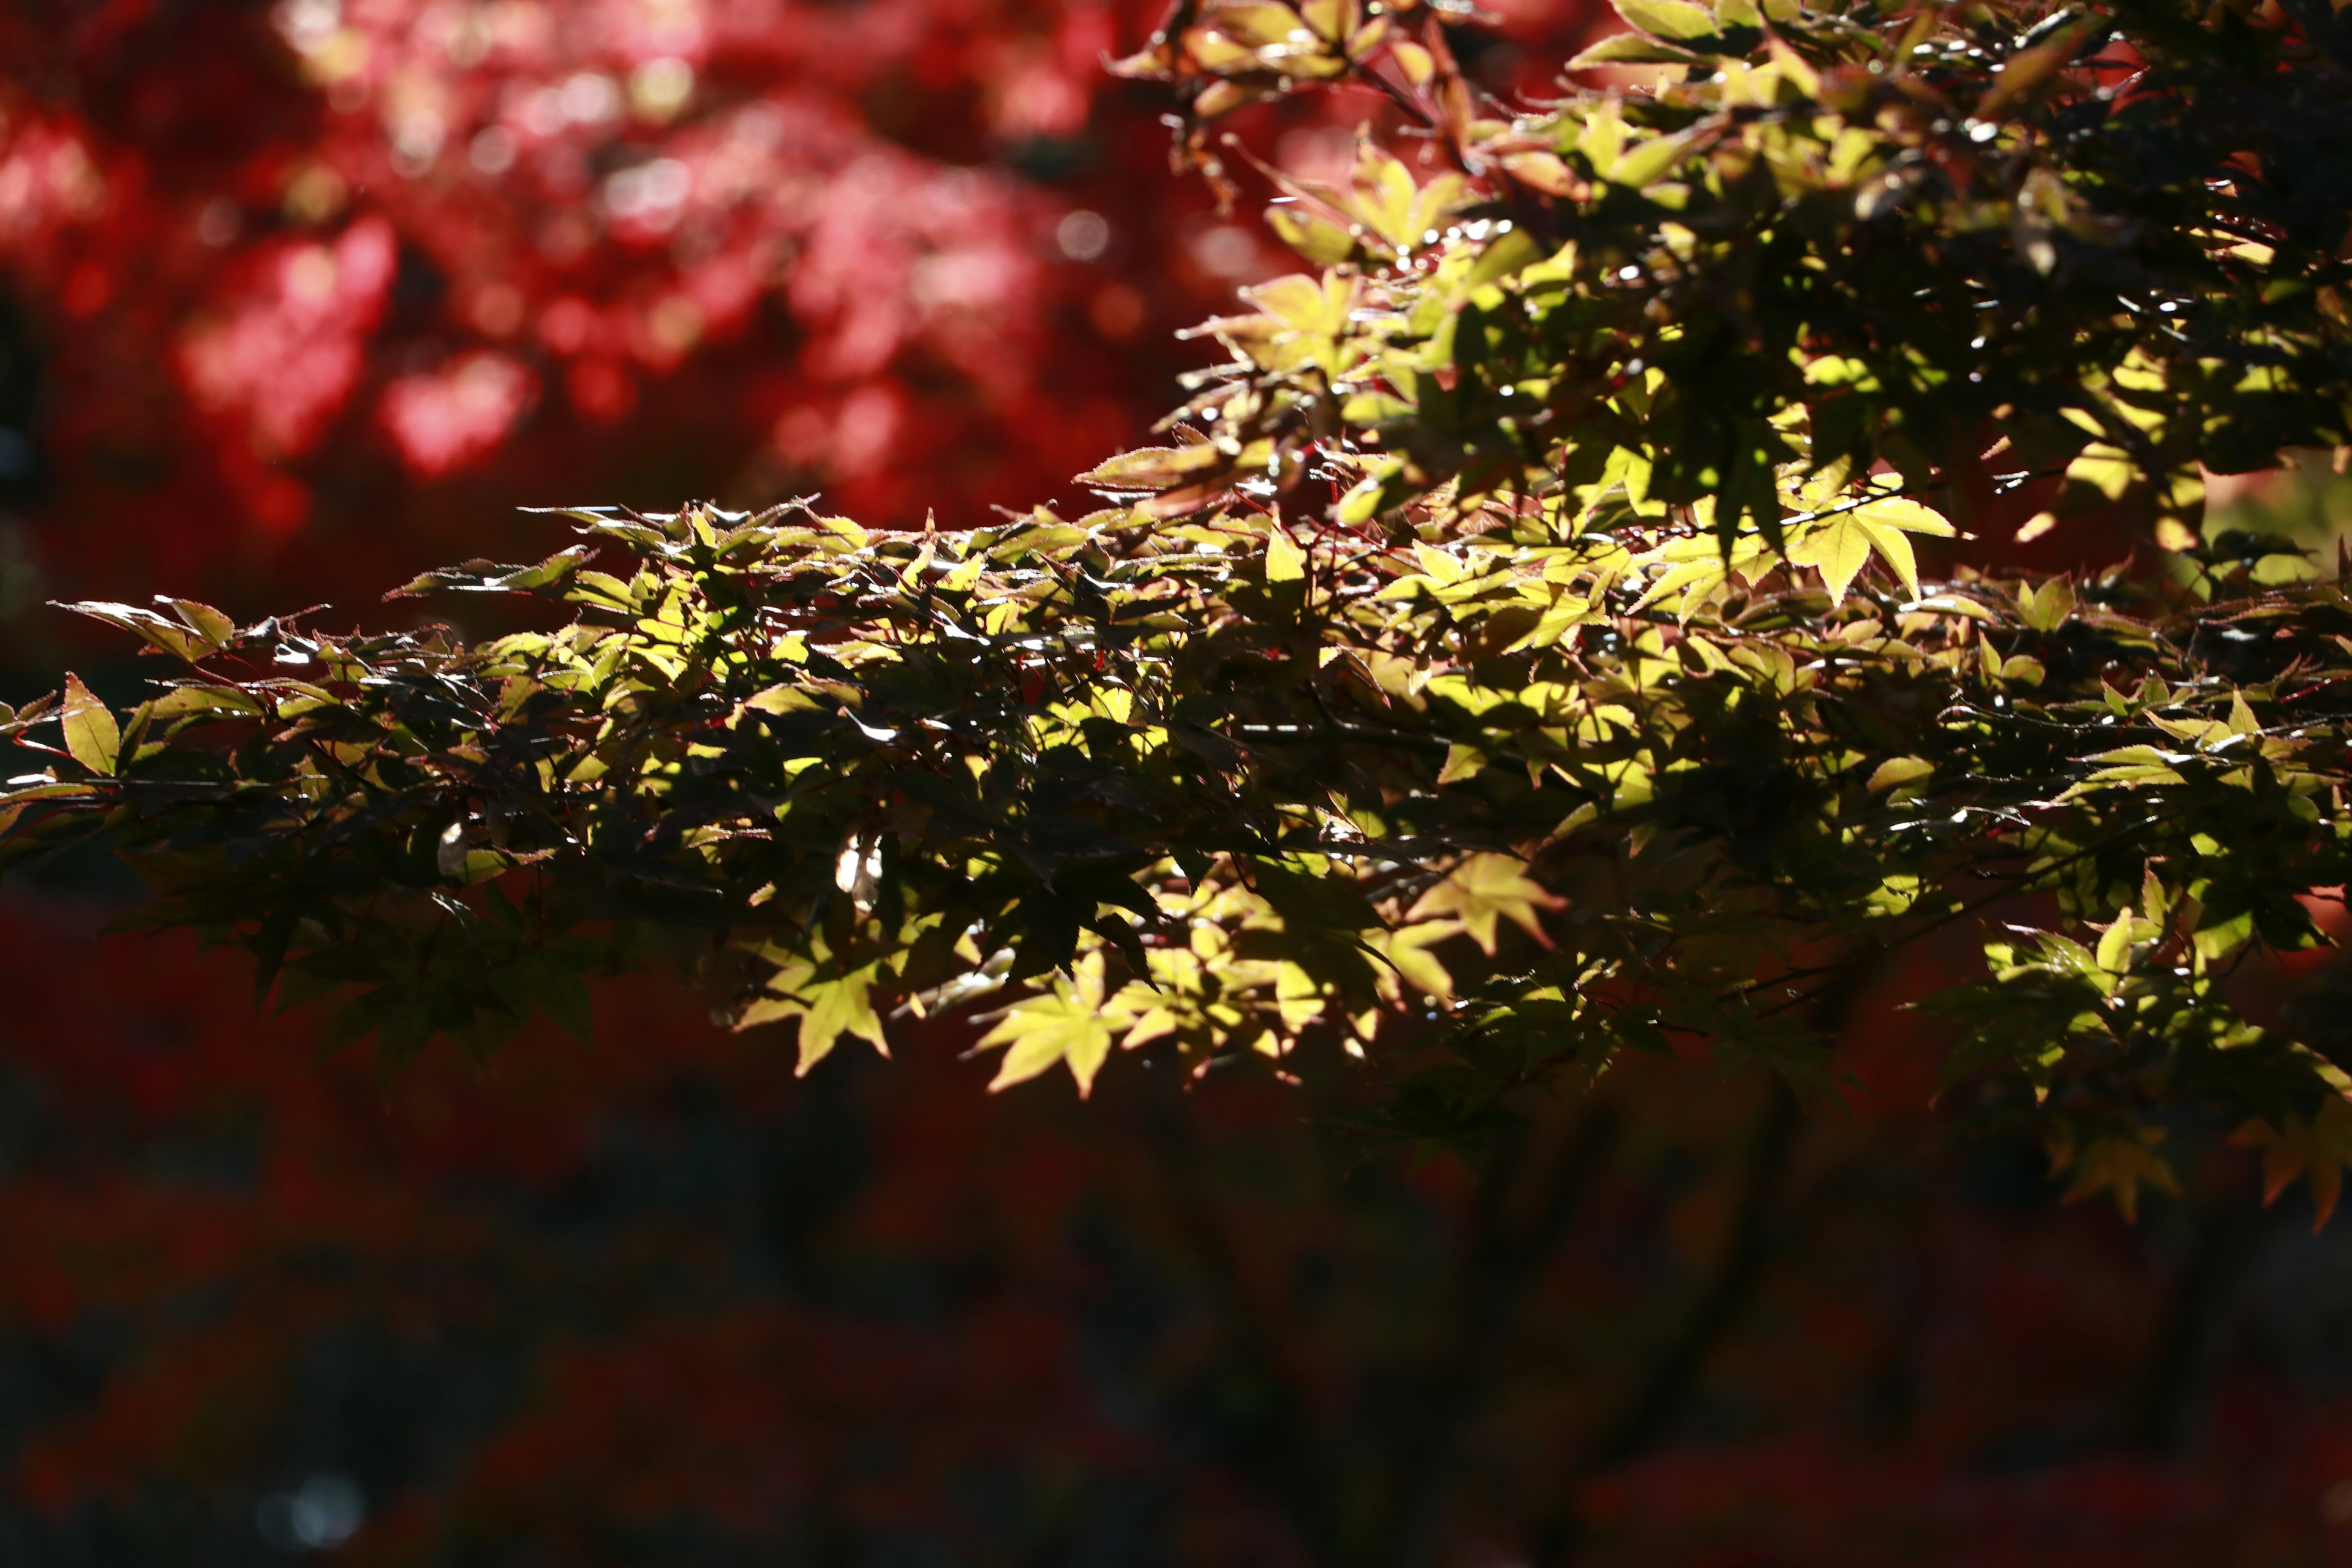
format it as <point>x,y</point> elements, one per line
<point>298,300</point>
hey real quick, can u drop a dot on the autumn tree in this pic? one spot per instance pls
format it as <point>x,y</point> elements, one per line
<point>1552,635</point>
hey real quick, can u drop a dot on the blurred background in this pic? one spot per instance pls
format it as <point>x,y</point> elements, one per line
<point>298,298</point>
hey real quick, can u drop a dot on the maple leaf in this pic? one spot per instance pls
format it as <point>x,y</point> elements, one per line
<point>1838,547</point>
<point>1407,950</point>
<point>1069,1025</point>
<point>1483,888</point>
<point>2119,1163</point>
<point>1696,567</point>
<point>2319,1148</point>
<point>827,1009</point>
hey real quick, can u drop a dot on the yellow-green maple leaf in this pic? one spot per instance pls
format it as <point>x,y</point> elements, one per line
<point>1838,547</point>
<point>2319,1148</point>
<point>1696,566</point>
<point>827,1009</point>
<point>1407,950</point>
<point>1068,1025</point>
<point>2120,1163</point>
<point>1484,888</point>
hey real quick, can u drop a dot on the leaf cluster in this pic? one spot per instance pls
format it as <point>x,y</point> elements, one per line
<point>1520,654</point>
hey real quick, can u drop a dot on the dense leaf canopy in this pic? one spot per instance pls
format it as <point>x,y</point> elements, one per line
<point>1519,655</point>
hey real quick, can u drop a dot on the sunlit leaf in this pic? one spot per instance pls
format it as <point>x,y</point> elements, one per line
<point>91,734</point>
<point>1064,1027</point>
<point>1667,18</point>
<point>1285,562</point>
<point>1486,887</point>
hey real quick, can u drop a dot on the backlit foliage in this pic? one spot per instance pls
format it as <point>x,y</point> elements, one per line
<point>1521,653</point>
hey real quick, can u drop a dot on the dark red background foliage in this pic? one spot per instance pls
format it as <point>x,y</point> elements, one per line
<point>297,298</point>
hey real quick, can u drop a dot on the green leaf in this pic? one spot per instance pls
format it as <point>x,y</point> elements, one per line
<point>2045,608</point>
<point>1514,252</point>
<point>2218,940</point>
<point>1647,161</point>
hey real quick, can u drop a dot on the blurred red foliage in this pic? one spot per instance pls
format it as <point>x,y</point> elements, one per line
<point>654,1300</point>
<point>316,292</point>
<point>293,265</point>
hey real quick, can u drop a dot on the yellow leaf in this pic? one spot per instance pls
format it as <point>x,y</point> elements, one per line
<point>2319,1149</point>
<point>1306,304</point>
<point>1151,468</point>
<point>1837,549</point>
<point>1602,141</point>
<point>1257,23</point>
<point>1895,551</point>
<point>1063,1026</point>
<point>1461,762</point>
<point>827,1009</point>
<point>1285,562</point>
<point>1896,772</point>
<point>1440,566</point>
<point>1484,888</point>
<point>2105,469</point>
<point>1152,1024</point>
<point>1408,949</point>
<point>780,700</point>
<point>91,734</point>
<point>1667,18</point>
<point>1384,195</point>
<point>1329,18</point>
<point>1646,162</point>
<point>1839,546</point>
<point>1298,997</point>
<point>1897,511</point>
<point>1315,239</point>
<point>1564,617</point>
<point>1696,567</point>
